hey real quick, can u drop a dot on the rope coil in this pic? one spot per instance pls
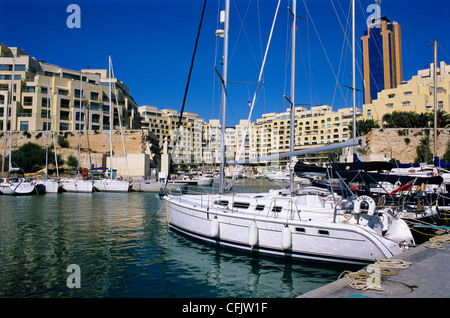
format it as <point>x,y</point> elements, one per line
<point>437,241</point>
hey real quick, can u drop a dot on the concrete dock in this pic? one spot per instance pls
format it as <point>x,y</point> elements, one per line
<point>428,276</point>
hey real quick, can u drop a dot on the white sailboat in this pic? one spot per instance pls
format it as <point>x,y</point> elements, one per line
<point>285,223</point>
<point>111,184</point>
<point>15,183</point>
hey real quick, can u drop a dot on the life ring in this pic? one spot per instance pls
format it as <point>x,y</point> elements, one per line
<point>368,200</point>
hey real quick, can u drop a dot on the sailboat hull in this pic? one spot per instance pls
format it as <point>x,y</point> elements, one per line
<point>306,240</point>
<point>18,188</point>
<point>74,185</point>
<point>108,185</point>
<point>48,186</point>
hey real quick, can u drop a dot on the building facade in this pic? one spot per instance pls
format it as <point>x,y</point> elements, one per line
<point>382,57</point>
<point>268,135</point>
<point>416,95</point>
<point>67,110</point>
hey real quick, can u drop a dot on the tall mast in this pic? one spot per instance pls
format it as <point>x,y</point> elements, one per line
<point>292,99</point>
<point>353,74</point>
<point>111,122</point>
<point>46,129</point>
<point>79,125</point>
<point>435,97</point>
<point>12,114</point>
<point>224,96</point>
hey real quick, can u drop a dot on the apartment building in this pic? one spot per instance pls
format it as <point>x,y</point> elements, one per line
<point>319,125</point>
<point>62,107</point>
<point>185,144</point>
<point>270,134</point>
<point>416,95</point>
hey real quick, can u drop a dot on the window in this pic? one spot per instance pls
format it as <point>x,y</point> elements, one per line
<point>408,93</point>
<point>406,103</point>
<point>391,95</point>
<point>390,105</point>
<point>65,103</point>
<point>28,101</point>
<point>94,96</point>
<point>23,125</point>
<point>64,92</point>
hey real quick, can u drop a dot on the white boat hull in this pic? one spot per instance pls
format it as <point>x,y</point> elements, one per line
<point>304,239</point>
<point>18,188</point>
<point>156,186</point>
<point>49,186</point>
<point>78,186</point>
<point>111,185</point>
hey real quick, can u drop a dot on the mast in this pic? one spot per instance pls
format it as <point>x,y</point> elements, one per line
<point>435,97</point>
<point>111,122</point>
<point>46,129</point>
<point>79,125</point>
<point>292,99</point>
<point>353,74</point>
<point>224,96</point>
<point>12,114</point>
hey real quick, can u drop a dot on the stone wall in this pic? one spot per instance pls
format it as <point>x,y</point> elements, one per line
<point>99,144</point>
<point>401,143</point>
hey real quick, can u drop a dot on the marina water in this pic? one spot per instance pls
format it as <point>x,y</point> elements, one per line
<point>123,247</point>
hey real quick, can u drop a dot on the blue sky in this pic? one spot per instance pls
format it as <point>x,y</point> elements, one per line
<point>151,44</point>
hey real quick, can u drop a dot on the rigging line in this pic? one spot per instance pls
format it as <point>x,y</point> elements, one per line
<point>259,81</point>
<point>379,52</point>
<point>287,57</point>
<point>120,121</point>
<point>343,44</point>
<point>245,32</point>
<point>309,64</point>
<point>323,47</point>
<point>192,65</point>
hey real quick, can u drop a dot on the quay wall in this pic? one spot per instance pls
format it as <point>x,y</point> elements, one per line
<point>401,143</point>
<point>99,144</point>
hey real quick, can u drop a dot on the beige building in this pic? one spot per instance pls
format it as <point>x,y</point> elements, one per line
<point>270,134</point>
<point>163,123</point>
<point>416,95</point>
<point>31,81</point>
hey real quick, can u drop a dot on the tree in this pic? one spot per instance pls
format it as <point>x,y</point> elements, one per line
<point>72,162</point>
<point>446,156</point>
<point>31,157</point>
<point>423,151</point>
<point>415,120</point>
<point>363,126</point>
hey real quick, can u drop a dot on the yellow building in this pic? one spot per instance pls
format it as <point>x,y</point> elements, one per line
<point>31,79</point>
<point>416,95</point>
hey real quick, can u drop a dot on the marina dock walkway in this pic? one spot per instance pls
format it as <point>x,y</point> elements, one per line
<point>428,276</point>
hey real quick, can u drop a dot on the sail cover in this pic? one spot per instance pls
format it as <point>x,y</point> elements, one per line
<point>440,163</point>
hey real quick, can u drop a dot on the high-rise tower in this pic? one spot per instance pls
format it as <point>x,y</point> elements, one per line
<point>382,57</point>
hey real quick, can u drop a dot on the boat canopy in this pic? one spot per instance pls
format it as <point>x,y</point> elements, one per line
<point>440,163</point>
<point>363,176</point>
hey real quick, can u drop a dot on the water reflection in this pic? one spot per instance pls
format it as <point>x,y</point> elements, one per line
<point>124,249</point>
